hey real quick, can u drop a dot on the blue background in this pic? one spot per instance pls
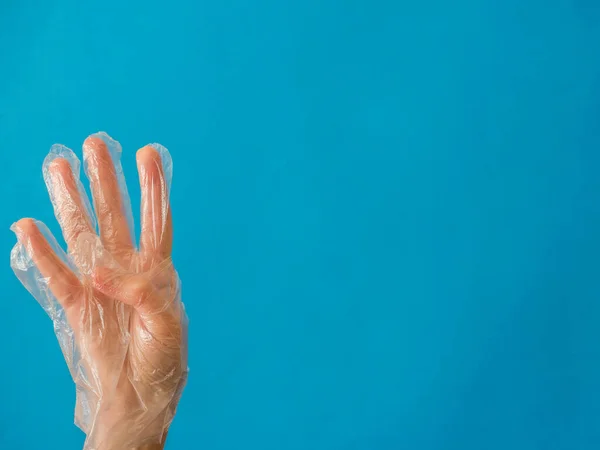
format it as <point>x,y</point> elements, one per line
<point>387,213</point>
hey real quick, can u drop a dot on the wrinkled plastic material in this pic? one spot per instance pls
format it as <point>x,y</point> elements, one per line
<point>116,306</point>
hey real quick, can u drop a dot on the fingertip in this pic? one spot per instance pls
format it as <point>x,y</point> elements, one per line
<point>149,163</point>
<point>60,166</point>
<point>24,227</point>
<point>148,154</point>
<point>93,143</point>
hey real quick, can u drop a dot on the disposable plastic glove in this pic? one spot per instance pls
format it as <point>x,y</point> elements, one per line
<point>116,309</point>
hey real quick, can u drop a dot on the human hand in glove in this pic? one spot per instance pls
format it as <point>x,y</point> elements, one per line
<point>116,307</point>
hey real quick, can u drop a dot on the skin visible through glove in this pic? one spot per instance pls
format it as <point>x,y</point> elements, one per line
<point>116,309</point>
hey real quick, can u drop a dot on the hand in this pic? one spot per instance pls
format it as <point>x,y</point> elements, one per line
<point>117,310</point>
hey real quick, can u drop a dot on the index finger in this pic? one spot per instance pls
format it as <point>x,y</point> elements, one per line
<point>155,170</point>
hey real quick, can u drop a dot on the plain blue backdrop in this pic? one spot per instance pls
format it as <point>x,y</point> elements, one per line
<point>387,213</point>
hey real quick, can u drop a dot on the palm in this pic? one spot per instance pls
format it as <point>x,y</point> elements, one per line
<point>117,310</point>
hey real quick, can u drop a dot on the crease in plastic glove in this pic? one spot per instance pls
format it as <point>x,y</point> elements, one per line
<point>116,306</point>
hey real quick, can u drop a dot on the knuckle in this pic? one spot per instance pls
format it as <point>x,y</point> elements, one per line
<point>140,290</point>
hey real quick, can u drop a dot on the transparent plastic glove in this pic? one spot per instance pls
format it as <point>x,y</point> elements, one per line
<point>116,309</point>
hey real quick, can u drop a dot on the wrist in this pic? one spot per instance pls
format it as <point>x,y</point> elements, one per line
<point>154,446</point>
<point>128,432</point>
<point>151,447</point>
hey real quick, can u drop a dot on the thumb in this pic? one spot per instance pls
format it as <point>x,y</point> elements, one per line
<point>134,290</point>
